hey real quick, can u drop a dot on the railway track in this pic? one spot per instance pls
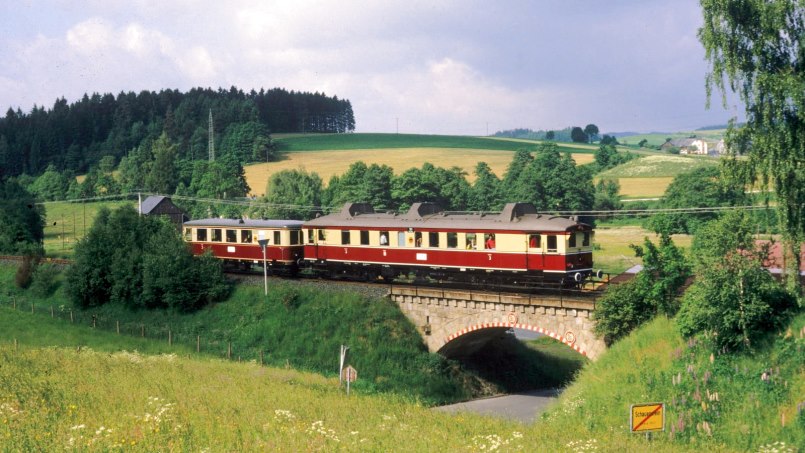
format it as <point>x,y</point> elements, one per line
<point>381,288</point>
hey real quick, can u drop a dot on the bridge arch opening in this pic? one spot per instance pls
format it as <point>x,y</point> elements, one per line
<point>497,355</point>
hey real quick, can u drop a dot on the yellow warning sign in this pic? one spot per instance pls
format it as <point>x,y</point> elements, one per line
<point>647,417</point>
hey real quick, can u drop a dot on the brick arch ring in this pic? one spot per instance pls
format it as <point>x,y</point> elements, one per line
<point>569,338</point>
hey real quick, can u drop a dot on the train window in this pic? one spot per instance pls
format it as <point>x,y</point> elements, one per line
<point>188,234</point>
<point>246,236</point>
<point>401,238</point>
<point>216,235</point>
<point>534,241</point>
<point>277,238</point>
<point>586,241</point>
<point>344,237</point>
<point>418,239</point>
<point>469,242</point>
<point>231,235</point>
<point>296,237</point>
<point>321,235</point>
<point>551,243</point>
<point>364,237</point>
<point>572,240</point>
<point>310,236</point>
<point>201,234</point>
<point>384,238</point>
<point>452,240</point>
<point>433,239</point>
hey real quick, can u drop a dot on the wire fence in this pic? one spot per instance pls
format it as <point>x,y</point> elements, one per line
<point>209,346</point>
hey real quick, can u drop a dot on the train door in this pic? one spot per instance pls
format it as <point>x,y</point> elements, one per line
<point>535,256</point>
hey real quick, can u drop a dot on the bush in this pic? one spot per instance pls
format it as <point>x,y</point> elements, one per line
<point>25,271</point>
<point>734,298</point>
<point>45,280</point>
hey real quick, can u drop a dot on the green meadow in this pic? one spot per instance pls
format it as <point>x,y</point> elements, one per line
<point>319,142</point>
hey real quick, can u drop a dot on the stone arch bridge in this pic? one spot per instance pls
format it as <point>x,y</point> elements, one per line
<point>457,322</point>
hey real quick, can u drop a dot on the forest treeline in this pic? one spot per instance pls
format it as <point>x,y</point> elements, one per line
<point>76,136</point>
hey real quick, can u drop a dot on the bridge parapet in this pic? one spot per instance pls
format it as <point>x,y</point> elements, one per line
<point>446,316</point>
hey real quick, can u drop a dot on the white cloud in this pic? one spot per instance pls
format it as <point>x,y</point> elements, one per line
<point>90,36</point>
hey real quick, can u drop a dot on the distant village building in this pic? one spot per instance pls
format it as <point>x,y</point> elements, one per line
<point>163,206</point>
<point>687,145</point>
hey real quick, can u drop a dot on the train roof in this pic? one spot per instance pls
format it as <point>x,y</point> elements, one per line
<point>245,223</point>
<point>515,216</point>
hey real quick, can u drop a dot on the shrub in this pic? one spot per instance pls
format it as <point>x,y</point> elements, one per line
<point>45,280</point>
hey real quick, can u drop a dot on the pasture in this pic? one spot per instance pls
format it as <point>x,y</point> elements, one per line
<point>328,163</point>
<point>66,223</point>
<point>658,138</point>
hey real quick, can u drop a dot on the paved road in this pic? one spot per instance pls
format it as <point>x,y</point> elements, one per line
<point>524,407</point>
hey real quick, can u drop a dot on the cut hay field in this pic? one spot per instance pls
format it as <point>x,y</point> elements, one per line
<point>657,139</point>
<point>335,162</point>
<point>613,253</point>
<point>649,176</point>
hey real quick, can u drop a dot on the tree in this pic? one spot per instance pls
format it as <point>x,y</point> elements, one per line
<point>485,192</point>
<point>446,187</point>
<point>653,291</point>
<point>550,135</point>
<point>578,135</point>
<point>163,177</point>
<point>140,262</point>
<point>733,298</point>
<point>50,185</point>
<point>362,183</point>
<point>642,143</point>
<point>292,194</point>
<point>609,140</point>
<point>592,132</point>
<point>700,188</point>
<point>756,47</point>
<point>23,221</point>
<point>607,197</point>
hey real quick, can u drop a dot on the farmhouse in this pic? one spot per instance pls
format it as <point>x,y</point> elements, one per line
<point>687,145</point>
<point>163,206</point>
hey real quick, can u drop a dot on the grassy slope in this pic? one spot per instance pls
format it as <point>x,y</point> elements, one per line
<point>649,176</point>
<point>56,398</point>
<point>659,139</point>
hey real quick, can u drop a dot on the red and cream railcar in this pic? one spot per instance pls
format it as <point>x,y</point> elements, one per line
<point>236,241</point>
<point>516,244</point>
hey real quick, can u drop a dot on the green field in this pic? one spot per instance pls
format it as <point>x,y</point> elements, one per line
<point>659,139</point>
<point>67,222</point>
<point>332,142</point>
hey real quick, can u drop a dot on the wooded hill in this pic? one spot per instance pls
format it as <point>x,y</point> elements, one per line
<point>74,136</point>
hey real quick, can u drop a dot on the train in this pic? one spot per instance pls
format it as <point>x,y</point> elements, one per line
<point>517,245</point>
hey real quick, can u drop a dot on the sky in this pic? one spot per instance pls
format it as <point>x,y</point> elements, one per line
<point>431,67</point>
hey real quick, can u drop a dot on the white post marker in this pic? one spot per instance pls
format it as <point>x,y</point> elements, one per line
<point>261,239</point>
<point>343,358</point>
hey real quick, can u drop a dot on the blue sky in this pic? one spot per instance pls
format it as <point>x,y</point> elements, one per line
<point>447,67</point>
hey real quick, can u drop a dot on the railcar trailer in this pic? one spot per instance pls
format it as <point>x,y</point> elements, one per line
<point>515,245</point>
<point>236,242</point>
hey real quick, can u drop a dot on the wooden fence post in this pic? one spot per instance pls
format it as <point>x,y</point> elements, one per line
<point>229,351</point>
<point>142,330</point>
<point>198,343</point>
<point>71,316</point>
<point>32,308</point>
<point>170,340</point>
<point>261,357</point>
<point>117,324</point>
<point>52,315</point>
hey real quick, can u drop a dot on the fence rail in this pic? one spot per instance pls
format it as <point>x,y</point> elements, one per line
<point>216,347</point>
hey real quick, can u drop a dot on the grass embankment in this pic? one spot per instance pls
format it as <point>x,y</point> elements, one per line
<point>61,398</point>
<point>649,176</point>
<point>301,325</point>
